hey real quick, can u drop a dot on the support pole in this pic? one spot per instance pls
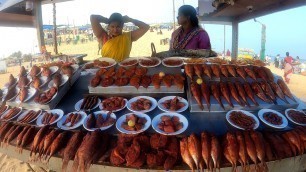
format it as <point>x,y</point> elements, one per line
<point>224,42</point>
<point>54,29</point>
<point>173,14</point>
<point>39,24</point>
<point>234,39</point>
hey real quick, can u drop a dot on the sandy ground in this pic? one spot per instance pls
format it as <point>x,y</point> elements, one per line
<point>8,164</point>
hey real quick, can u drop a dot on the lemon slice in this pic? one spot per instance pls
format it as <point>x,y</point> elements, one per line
<point>131,123</point>
<point>161,74</point>
<point>199,81</point>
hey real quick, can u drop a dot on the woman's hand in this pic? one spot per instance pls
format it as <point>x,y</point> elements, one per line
<point>126,19</point>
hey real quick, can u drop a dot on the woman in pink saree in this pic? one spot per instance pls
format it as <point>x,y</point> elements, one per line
<point>189,35</point>
<point>288,69</point>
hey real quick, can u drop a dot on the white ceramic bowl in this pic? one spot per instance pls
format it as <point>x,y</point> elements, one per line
<point>123,119</point>
<point>109,60</point>
<point>157,119</point>
<point>181,99</point>
<point>153,102</point>
<point>104,114</point>
<point>290,119</point>
<point>148,58</point>
<point>246,113</point>
<point>261,117</point>
<point>127,60</point>
<point>173,58</point>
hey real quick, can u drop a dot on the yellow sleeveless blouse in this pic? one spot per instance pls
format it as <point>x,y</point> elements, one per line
<point>118,48</point>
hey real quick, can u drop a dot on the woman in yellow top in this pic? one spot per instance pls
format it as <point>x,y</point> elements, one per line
<point>116,44</point>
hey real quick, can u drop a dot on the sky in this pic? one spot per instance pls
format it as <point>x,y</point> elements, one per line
<point>285,30</point>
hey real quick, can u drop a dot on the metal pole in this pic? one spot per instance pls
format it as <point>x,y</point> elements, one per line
<point>54,29</point>
<point>39,24</point>
<point>224,42</point>
<point>173,15</point>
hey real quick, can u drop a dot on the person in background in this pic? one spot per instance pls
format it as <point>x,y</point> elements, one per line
<point>189,35</point>
<point>288,67</point>
<point>276,61</point>
<point>116,44</point>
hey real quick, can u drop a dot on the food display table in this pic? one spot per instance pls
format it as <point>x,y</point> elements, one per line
<point>212,122</point>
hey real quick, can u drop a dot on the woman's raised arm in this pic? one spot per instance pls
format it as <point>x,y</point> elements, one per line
<point>142,28</point>
<point>99,32</point>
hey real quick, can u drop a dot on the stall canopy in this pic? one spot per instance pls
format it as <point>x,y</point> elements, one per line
<point>232,12</point>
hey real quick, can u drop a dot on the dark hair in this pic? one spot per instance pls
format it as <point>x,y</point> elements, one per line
<point>189,11</point>
<point>287,53</point>
<point>116,17</point>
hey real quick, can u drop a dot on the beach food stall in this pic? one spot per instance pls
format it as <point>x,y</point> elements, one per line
<point>154,113</point>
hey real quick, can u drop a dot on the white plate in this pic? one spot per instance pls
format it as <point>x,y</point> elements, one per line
<point>76,125</point>
<point>153,102</point>
<point>7,107</point>
<point>246,113</point>
<point>110,60</point>
<point>181,99</point>
<point>93,70</point>
<point>77,106</point>
<point>24,113</point>
<point>144,58</point>
<point>65,78</point>
<point>290,119</point>
<point>31,93</point>
<point>14,97</point>
<point>156,120</point>
<point>123,119</point>
<point>53,69</point>
<point>59,112</point>
<point>263,111</point>
<point>104,114</point>
<point>127,60</point>
<point>50,99</point>
<point>101,108</point>
<point>4,92</point>
<point>173,58</point>
<point>2,116</point>
<point>43,81</point>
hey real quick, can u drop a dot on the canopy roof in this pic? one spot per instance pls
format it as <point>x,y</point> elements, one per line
<point>242,10</point>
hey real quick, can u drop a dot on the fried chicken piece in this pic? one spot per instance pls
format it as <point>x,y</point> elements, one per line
<point>156,81</point>
<point>168,80</point>
<point>101,72</point>
<point>179,81</point>
<point>95,81</point>
<point>130,72</point>
<point>141,71</point>
<point>12,81</point>
<point>145,81</point>
<point>110,72</point>
<point>135,81</point>
<point>122,81</point>
<point>120,72</point>
<point>133,153</point>
<point>158,141</point>
<point>36,82</point>
<point>67,70</point>
<point>57,80</point>
<point>23,94</point>
<point>22,71</point>
<point>189,70</point>
<point>196,92</point>
<point>23,81</point>
<point>46,72</point>
<point>34,71</point>
<point>107,82</point>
